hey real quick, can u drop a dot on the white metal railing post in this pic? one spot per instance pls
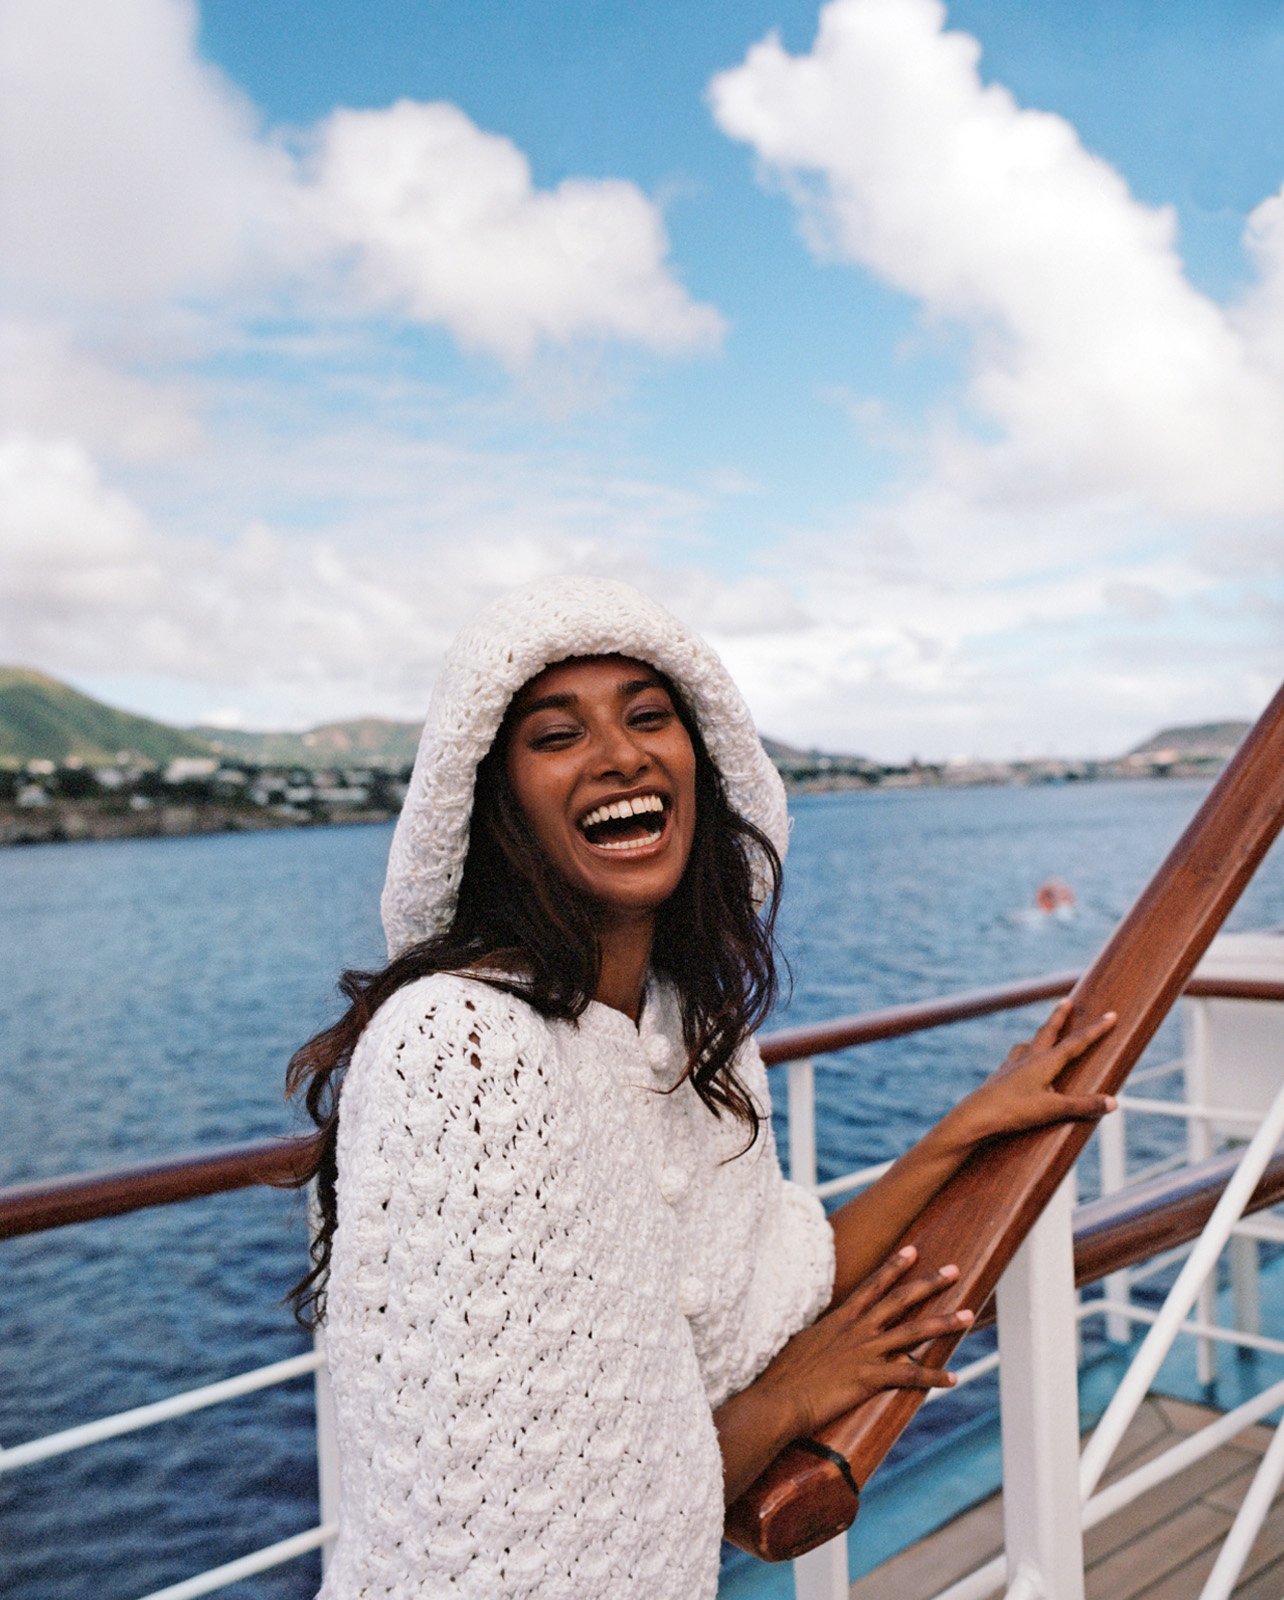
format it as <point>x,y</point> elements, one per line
<point>1199,1146</point>
<point>1113,1137</point>
<point>1039,1400</point>
<point>801,1083</point>
<point>822,1573</point>
<point>327,1447</point>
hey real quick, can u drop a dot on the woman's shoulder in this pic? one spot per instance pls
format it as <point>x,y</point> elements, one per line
<point>451,1009</point>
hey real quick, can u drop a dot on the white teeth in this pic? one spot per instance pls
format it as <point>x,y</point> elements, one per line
<point>623,808</point>
<point>630,844</point>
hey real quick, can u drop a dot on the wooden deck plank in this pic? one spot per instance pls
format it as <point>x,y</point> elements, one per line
<point>1156,1552</point>
<point>1162,1547</point>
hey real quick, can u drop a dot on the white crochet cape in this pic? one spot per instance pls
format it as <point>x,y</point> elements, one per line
<point>545,1276</point>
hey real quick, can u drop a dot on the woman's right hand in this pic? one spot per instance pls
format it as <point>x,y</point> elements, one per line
<point>862,1346</point>
<point>858,1348</point>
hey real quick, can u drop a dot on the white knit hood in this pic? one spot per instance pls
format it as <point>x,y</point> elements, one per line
<point>504,647</point>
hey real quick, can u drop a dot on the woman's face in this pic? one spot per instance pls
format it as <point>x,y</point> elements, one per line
<point>604,773</point>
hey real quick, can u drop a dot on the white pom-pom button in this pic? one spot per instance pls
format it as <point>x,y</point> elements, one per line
<point>659,1052</point>
<point>673,1184</point>
<point>693,1296</point>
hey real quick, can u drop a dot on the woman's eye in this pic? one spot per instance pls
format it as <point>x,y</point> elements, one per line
<point>651,716</point>
<point>552,738</point>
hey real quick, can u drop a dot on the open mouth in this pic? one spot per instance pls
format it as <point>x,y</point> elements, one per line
<point>626,824</point>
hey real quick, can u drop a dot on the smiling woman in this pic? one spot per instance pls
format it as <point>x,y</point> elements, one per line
<point>571,1304</point>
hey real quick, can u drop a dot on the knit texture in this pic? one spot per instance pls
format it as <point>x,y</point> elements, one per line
<point>542,1281</point>
<point>504,647</point>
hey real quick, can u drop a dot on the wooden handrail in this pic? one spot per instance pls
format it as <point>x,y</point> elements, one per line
<point>1132,1225</point>
<point>981,1216</point>
<point>893,1022</point>
<point>84,1197</point>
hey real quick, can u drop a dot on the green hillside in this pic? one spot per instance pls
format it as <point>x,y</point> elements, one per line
<point>42,719</point>
<point>376,741</point>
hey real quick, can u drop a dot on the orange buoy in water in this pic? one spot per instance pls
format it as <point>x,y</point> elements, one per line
<point>1054,896</point>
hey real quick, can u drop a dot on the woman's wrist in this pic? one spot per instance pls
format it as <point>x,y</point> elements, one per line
<point>950,1142</point>
<point>753,1427</point>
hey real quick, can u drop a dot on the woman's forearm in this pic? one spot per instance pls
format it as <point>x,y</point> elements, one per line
<point>754,1426</point>
<point>868,1226</point>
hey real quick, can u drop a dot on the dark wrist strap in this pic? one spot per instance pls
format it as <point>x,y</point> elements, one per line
<point>815,1448</point>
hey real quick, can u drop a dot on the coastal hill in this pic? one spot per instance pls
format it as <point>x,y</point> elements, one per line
<point>42,719</point>
<point>1216,741</point>
<point>377,741</point>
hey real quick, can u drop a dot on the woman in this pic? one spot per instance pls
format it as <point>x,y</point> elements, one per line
<point>571,1305</point>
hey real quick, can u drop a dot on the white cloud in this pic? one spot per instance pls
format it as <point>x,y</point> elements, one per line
<point>132,170</point>
<point>1105,371</point>
<point>448,228</point>
<point>54,389</point>
<point>1262,314</point>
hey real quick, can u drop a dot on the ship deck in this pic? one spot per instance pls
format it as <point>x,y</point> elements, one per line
<point>1162,1547</point>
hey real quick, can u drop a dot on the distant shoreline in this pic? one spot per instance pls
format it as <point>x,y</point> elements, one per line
<point>71,822</point>
<point>64,823</point>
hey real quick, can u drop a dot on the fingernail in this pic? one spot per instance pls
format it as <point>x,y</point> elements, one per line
<point>1111,1102</point>
<point>1111,1016</point>
<point>966,1316</point>
<point>907,1253</point>
<point>950,1272</point>
<point>950,1379</point>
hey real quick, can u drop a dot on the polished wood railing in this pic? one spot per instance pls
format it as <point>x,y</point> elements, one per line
<point>45,1203</point>
<point>981,1216</point>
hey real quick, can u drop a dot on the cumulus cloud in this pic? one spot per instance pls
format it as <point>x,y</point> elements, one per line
<point>132,170</point>
<point>1103,369</point>
<point>134,173</point>
<point>53,388</point>
<point>447,227</point>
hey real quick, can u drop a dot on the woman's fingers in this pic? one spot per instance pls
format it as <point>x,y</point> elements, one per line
<point>883,1300</point>
<point>1077,1043</point>
<point>1050,1031</point>
<point>871,1290</point>
<point>1085,1107</point>
<point>908,1374</point>
<point>921,1331</point>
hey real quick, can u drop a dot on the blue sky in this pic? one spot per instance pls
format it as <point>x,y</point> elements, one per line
<point>930,359</point>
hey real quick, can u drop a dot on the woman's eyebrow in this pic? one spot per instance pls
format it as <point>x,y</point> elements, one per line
<point>566,700</point>
<point>547,702</point>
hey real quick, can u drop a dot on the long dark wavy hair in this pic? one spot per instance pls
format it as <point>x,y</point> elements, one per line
<point>516,914</point>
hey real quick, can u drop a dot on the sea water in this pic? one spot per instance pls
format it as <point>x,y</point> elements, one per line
<point>152,990</point>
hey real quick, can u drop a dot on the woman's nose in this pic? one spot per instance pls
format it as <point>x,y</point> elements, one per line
<point>619,752</point>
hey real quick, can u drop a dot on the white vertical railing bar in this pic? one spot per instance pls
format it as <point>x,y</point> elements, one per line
<point>178,1405</point>
<point>801,1084</point>
<point>1112,1136</point>
<point>1246,1298</point>
<point>1202,1259</point>
<point>821,1574</point>
<point>1199,1145</point>
<point>1248,1522</point>
<point>1026,1586</point>
<point>1039,1408</point>
<point>327,1446</point>
<point>272,1555</point>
